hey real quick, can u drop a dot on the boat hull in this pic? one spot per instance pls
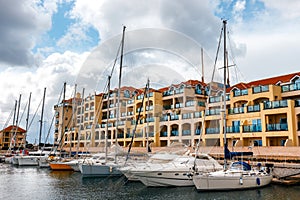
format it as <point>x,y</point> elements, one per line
<point>60,166</point>
<point>100,170</point>
<point>231,181</point>
<point>165,179</point>
<point>28,160</point>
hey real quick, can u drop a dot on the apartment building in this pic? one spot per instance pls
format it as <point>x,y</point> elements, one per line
<point>12,136</point>
<point>263,113</point>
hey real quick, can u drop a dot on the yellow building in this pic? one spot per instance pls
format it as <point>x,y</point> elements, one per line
<point>262,113</point>
<point>12,136</point>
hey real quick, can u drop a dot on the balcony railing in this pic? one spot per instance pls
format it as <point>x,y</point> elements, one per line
<point>212,130</point>
<point>190,103</point>
<point>252,128</point>
<point>164,134</point>
<point>290,87</point>
<point>297,103</point>
<point>174,117</point>
<point>237,93</point>
<point>164,118</point>
<point>186,132</point>
<point>254,108</point>
<point>275,104</point>
<point>259,89</point>
<point>212,112</point>
<point>237,110</point>
<point>174,133</point>
<point>197,131</point>
<point>277,127</point>
<point>187,116</point>
<point>197,114</point>
<point>232,129</point>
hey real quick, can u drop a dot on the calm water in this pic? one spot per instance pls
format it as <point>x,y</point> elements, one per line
<point>34,183</point>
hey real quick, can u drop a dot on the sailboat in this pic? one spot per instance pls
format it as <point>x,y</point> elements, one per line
<point>109,164</point>
<point>32,158</point>
<point>240,175</point>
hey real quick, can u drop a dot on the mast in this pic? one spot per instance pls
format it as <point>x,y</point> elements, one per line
<point>17,121</point>
<point>224,93</point>
<point>73,118</point>
<point>148,106</point>
<point>63,116</point>
<point>81,119</point>
<point>12,133</point>
<point>119,88</point>
<point>42,115</point>
<point>27,118</point>
<point>107,117</point>
<point>202,65</point>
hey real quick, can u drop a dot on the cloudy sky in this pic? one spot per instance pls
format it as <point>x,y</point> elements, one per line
<point>44,43</point>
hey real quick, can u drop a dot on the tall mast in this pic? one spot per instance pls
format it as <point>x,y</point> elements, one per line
<point>63,116</point>
<point>27,118</point>
<point>73,118</point>
<point>224,92</point>
<point>81,119</point>
<point>42,115</point>
<point>202,65</point>
<point>107,117</point>
<point>148,106</point>
<point>120,80</point>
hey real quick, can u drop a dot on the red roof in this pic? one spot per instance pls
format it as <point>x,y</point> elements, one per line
<point>11,127</point>
<point>272,81</point>
<point>267,81</point>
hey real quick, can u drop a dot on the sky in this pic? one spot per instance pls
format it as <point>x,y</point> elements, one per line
<point>44,43</point>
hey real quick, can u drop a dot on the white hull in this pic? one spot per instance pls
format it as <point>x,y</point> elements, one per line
<point>175,173</point>
<point>28,161</point>
<point>166,179</point>
<point>14,160</point>
<point>226,180</point>
<point>99,169</point>
<point>43,162</point>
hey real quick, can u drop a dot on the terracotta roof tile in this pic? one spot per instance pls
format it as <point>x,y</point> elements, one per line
<point>11,127</point>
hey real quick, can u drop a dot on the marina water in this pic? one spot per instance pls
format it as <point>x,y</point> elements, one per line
<point>35,183</point>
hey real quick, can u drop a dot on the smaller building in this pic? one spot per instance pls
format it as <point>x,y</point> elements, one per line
<point>12,137</point>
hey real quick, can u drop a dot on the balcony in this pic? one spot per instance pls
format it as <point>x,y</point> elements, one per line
<point>190,103</point>
<point>197,115</point>
<point>167,93</point>
<point>197,131</point>
<point>297,103</point>
<point>260,89</point>
<point>149,108</point>
<point>179,105</point>
<point>174,133</point>
<point>290,87</point>
<point>139,135</point>
<point>129,113</point>
<point>277,127</point>
<point>186,132</point>
<point>237,110</point>
<point>167,107</point>
<point>254,108</point>
<point>149,119</point>
<point>130,101</point>
<point>174,117</point>
<point>179,91</point>
<point>164,134</point>
<point>252,128</point>
<point>275,104</point>
<point>232,129</point>
<point>164,118</point>
<point>140,97</point>
<point>238,93</point>
<point>198,91</point>
<point>212,112</point>
<point>212,130</point>
<point>187,116</point>
<point>214,99</point>
<point>120,135</point>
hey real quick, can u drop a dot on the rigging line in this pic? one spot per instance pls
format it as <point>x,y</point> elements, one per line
<point>50,126</point>
<point>114,64</point>
<point>8,119</point>
<point>209,95</point>
<point>136,122</point>
<point>35,114</point>
<point>217,53</point>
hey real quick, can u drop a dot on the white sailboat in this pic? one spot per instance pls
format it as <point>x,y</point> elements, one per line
<point>239,175</point>
<point>109,166</point>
